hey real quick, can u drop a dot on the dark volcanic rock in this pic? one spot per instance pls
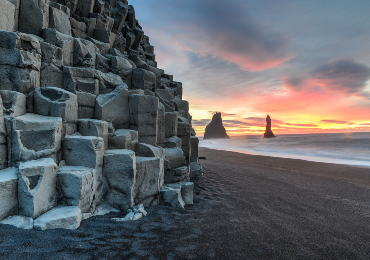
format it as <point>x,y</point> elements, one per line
<point>268,132</point>
<point>215,129</point>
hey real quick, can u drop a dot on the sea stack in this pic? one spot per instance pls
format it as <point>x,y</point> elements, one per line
<point>268,132</point>
<point>215,129</point>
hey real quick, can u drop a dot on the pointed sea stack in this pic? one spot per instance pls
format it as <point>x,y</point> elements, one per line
<point>215,129</point>
<point>268,132</point>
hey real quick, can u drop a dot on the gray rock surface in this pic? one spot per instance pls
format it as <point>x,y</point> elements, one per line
<point>87,151</point>
<point>149,180</point>
<point>144,117</point>
<point>19,221</point>
<point>171,196</point>
<point>75,186</point>
<point>124,139</point>
<point>66,217</point>
<point>8,192</point>
<point>120,172</point>
<point>147,150</point>
<point>37,187</point>
<point>93,127</point>
<point>78,77</point>
<point>114,107</point>
<point>34,136</point>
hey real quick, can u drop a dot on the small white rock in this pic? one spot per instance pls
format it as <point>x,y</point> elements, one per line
<point>139,209</point>
<point>128,217</point>
<point>137,216</point>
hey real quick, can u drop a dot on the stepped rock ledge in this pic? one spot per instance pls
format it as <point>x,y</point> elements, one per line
<point>88,122</point>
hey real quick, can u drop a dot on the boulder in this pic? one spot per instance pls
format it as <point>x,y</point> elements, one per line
<point>149,180</point>
<point>17,79</point>
<point>171,196</point>
<point>14,103</point>
<point>56,102</point>
<point>144,117</point>
<point>196,171</point>
<point>120,172</point>
<point>194,149</point>
<point>176,175</point>
<point>114,107</point>
<point>174,158</point>
<point>171,122</point>
<point>19,221</point>
<point>147,150</point>
<point>33,16</point>
<point>8,192</point>
<point>20,58</point>
<point>7,16</point>
<point>124,139</point>
<point>59,20</point>
<point>187,189</point>
<point>93,127</point>
<point>37,189</point>
<point>66,217</point>
<point>143,79</point>
<point>84,7</point>
<point>34,136</point>
<point>75,186</point>
<point>173,142</point>
<point>119,13</point>
<point>84,54</point>
<point>184,132</point>
<point>161,132</point>
<point>87,151</point>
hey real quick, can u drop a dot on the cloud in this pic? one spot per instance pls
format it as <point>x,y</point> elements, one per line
<point>222,113</point>
<point>201,122</point>
<point>339,76</point>
<point>365,123</point>
<point>302,125</point>
<point>334,121</point>
<point>222,29</point>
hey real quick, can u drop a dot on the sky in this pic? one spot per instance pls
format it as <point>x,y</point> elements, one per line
<point>304,63</point>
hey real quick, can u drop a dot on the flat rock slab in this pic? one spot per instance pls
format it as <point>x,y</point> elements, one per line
<point>8,192</point>
<point>66,217</point>
<point>19,221</point>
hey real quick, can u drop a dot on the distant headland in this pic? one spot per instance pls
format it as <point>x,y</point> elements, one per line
<point>215,129</point>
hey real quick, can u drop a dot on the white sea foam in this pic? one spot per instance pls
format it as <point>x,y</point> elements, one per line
<point>346,148</point>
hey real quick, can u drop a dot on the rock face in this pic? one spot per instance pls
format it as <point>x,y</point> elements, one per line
<point>268,133</point>
<point>215,129</point>
<point>88,122</point>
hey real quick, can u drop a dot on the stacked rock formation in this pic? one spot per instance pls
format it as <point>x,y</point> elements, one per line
<point>215,129</point>
<point>88,122</point>
<point>268,133</point>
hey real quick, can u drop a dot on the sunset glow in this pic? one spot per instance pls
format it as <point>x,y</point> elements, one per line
<point>297,62</point>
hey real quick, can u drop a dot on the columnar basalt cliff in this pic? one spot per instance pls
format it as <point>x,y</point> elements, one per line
<point>215,129</point>
<point>88,122</point>
<point>268,132</point>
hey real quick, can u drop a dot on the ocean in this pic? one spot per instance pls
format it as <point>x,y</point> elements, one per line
<point>339,148</point>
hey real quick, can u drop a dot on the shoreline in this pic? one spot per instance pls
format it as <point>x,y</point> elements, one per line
<point>360,163</point>
<point>346,172</point>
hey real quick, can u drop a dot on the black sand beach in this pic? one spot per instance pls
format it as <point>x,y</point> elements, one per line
<point>246,207</point>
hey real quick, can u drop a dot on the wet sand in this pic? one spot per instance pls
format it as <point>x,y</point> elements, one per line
<point>246,207</point>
